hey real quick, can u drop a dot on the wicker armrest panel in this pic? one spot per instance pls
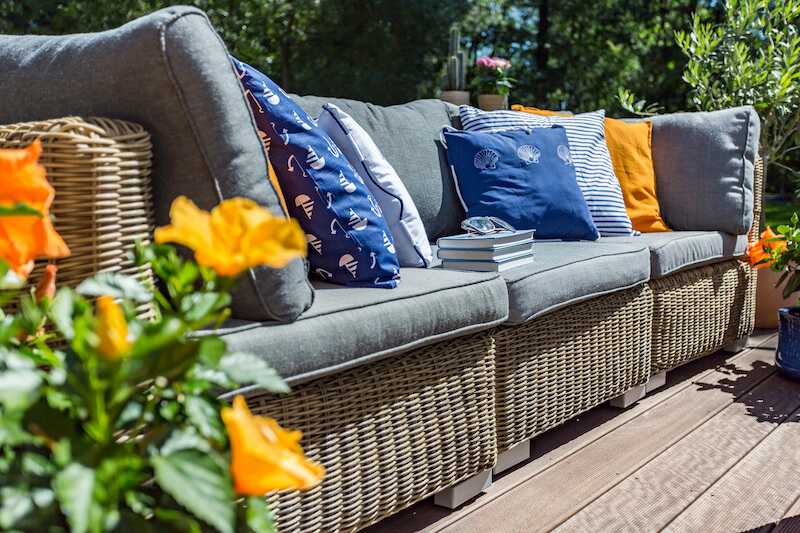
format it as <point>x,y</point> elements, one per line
<point>563,363</point>
<point>389,433</point>
<point>100,170</point>
<point>698,311</point>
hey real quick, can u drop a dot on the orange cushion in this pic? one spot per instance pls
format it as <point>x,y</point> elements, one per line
<point>631,155</point>
<point>274,179</point>
<point>537,111</point>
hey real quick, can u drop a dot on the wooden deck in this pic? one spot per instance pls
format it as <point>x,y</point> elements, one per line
<point>716,449</point>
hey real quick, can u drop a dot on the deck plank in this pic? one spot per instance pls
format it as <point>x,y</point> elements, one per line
<point>790,523</point>
<point>757,491</point>
<point>552,494</point>
<point>655,494</point>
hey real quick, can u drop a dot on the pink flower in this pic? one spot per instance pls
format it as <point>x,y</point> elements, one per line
<point>499,62</point>
<point>485,62</point>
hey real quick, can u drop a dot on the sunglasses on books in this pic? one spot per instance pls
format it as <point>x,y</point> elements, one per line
<point>485,225</point>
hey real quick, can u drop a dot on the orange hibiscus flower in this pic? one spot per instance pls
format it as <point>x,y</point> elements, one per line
<point>760,250</point>
<point>23,238</point>
<point>266,457</point>
<point>111,329</point>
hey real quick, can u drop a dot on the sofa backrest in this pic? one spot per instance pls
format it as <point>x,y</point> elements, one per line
<point>704,164</point>
<point>170,72</point>
<point>408,137</point>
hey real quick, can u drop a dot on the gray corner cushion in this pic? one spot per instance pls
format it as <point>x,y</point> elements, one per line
<point>672,252</point>
<point>169,72</point>
<point>704,164</point>
<point>347,327</point>
<point>565,273</point>
<point>408,137</point>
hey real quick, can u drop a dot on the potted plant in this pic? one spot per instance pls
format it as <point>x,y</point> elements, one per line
<point>454,80</point>
<point>781,253</point>
<point>492,82</point>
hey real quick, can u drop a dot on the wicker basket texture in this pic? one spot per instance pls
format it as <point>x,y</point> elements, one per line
<point>568,361</point>
<point>389,433</point>
<point>100,170</point>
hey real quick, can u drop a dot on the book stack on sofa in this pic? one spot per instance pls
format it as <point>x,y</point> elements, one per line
<point>410,380</point>
<point>486,253</point>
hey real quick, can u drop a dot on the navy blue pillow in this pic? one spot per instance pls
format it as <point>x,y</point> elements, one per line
<point>349,240</point>
<point>522,177</point>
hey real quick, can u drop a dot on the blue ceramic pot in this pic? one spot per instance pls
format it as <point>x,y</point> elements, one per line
<point>787,357</point>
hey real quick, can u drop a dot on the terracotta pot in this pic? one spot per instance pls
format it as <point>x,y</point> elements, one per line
<point>455,97</point>
<point>491,102</point>
<point>769,299</point>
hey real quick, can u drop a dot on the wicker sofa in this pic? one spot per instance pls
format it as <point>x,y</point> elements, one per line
<point>403,393</point>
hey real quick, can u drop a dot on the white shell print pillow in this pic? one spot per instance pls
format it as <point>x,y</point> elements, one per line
<point>402,217</point>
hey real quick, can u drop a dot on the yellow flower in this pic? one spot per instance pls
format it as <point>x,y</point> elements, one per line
<point>24,238</point>
<point>266,457</point>
<point>236,235</point>
<point>111,329</point>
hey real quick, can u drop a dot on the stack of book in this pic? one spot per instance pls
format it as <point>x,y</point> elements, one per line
<point>486,253</point>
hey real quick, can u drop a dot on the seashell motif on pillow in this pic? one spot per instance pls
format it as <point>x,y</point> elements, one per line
<point>529,154</point>
<point>563,153</point>
<point>486,160</point>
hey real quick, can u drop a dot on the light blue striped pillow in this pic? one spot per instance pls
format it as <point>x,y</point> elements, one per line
<point>589,154</point>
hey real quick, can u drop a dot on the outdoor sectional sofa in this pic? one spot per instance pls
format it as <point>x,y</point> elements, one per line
<point>405,393</point>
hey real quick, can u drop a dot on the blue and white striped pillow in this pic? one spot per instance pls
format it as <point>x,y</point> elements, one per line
<point>587,141</point>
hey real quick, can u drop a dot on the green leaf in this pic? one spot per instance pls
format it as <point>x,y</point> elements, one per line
<point>116,286</point>
<point>15,504</point>
<point>20,209</point>
<point>19,388</point>
<point>246,368</point>
<point>171,362</point>
<point>259,517</point>
<point>184,439</point>
<point>212,348</point>
<point>74,488</point>
<point>199,484</point>
<point>198,305</point>
<point>204,414</point>
<point>60,312</point>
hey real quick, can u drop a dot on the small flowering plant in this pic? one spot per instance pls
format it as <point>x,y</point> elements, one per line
<point>491,76</point>
<point>781,253</point>
<point>123,429</point>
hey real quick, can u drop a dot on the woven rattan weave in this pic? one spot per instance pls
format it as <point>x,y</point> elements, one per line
<point>389,433</point>
<point>701,310</point>
<point>100,170</point>
<point>568,361</point>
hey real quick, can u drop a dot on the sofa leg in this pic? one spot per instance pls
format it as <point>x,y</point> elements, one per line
<point>656,381</point>
<point>512,456</point>
<point>628,398</point>
<point>738,345</point>
<point>452,497</point>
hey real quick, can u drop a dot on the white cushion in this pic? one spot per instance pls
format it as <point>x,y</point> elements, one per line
<point>589,154</point>
<point>402,217</point>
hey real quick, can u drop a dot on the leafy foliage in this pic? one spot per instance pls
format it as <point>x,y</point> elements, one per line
<point>90,443</point>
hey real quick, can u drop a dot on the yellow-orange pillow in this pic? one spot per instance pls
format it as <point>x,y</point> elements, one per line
<point>629,145</point>
<point>274,179</point>
<point>632,157</point>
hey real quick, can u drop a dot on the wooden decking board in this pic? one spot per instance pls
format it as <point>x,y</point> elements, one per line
<point>551,496</point>
<point>790,522</point>
<point>650,498</point>
<point>756,492</point>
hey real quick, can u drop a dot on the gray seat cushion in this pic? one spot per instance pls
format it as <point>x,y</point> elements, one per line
<point>347,327</point>
<point>671,252</point>
<point>169,72</point>
<point>706,159</point>
<point>408,137</point>
<point>564,273</point>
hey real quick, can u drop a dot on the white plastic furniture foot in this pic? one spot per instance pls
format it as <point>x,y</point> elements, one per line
<point>452,497</point>
<point>656,381</point>
<point>628,398</point>
<point>738,345</point>
<point>512,456</point>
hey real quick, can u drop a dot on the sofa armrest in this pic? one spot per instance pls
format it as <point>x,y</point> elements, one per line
<point>759,179</point>
<point>100,169</point>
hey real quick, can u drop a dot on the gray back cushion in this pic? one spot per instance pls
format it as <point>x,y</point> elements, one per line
<point>704,165</point>
<point>408,137</point>
<point>170,72</point>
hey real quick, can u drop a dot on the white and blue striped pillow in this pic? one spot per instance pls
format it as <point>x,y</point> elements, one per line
<point>587,141</point>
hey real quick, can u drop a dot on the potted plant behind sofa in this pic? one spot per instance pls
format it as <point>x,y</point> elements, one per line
<point>492,82</point>
<point>455,79</point>
<point>781,253</point>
